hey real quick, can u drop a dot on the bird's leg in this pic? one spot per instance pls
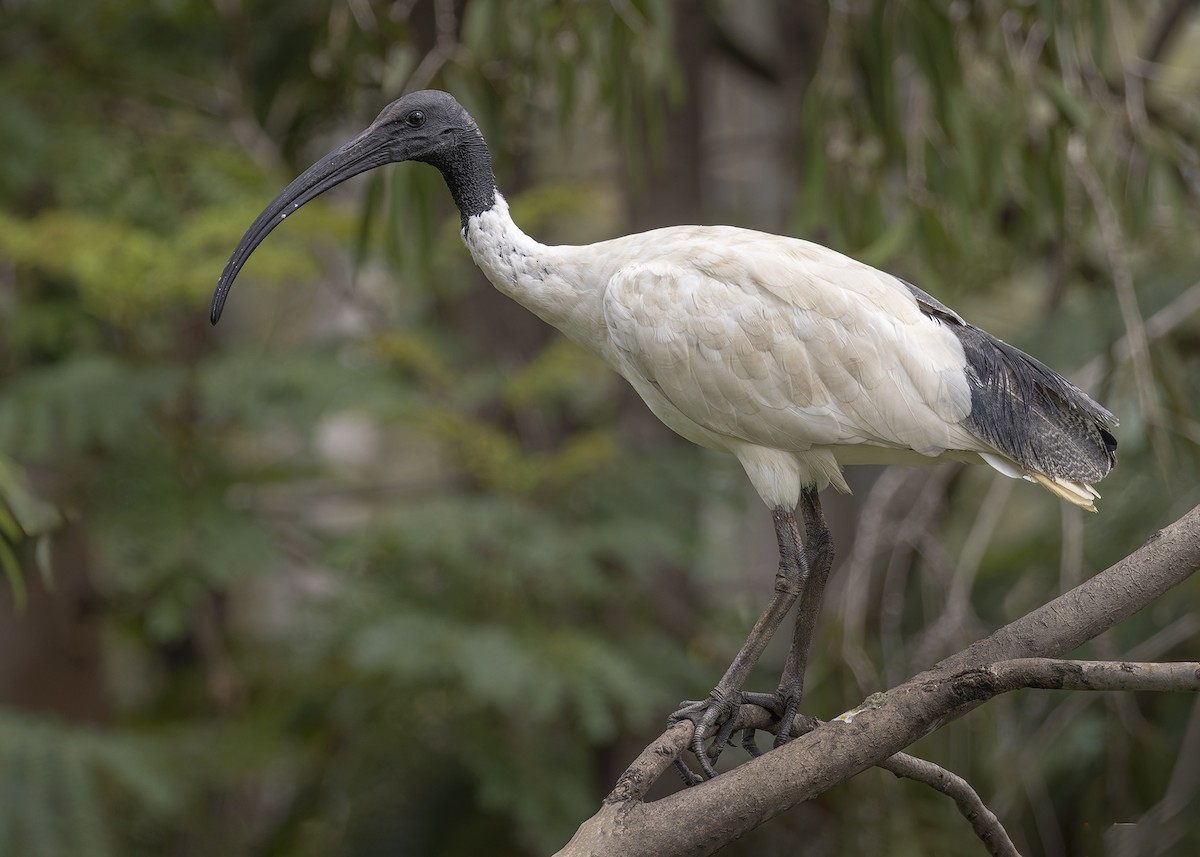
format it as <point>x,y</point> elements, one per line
<point>818,552</point>
<point>710,714</point>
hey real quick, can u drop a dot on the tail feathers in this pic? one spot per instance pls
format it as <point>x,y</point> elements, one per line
<point>1027,412</point>
<point>1077,493</point>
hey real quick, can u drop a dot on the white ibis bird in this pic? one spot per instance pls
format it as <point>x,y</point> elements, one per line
<point>793,358</point>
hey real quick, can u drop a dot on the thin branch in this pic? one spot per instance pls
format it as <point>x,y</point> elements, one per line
<point>854,579</point>
<point>446,24</point>
<point>1118,260</point>
<point>1167,28</point>
<point>742,56</point>
<point>1158,325</point>
<point>983,821</point>
<point>1055,674</point>
<point>1168,820</point>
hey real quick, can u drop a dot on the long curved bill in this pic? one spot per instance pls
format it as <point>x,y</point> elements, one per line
<point>365,152</point>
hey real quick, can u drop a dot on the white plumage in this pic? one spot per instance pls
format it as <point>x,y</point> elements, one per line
<point>789,355</point>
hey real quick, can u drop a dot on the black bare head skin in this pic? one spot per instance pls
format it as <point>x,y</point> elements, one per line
<point>428,126</point>
<point>424,126</point>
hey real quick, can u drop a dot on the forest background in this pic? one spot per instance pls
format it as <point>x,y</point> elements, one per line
<point>384,565</point>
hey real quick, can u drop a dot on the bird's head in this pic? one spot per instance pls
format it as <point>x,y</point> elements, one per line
<point>428,126</point>
<point>421,126</point>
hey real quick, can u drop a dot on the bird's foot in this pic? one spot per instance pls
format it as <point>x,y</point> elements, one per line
<point>785,706</point>
<point>713,718</point>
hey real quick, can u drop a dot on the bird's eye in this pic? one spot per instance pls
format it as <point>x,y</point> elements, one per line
<point>415,119</point>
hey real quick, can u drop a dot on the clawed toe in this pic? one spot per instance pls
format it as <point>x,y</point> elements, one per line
<point>783,705</point>
<point>791,707</point>
<point>709,716</point>
<point>715,724</point>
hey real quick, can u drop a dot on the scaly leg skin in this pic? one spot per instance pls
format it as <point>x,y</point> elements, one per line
<point>785,702</point>
<point>818,549</point>
<point>711,714</point>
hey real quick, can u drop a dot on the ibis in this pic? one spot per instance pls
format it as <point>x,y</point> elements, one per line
<point>793,358</point>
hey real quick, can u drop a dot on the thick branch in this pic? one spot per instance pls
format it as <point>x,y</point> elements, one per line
<point>656,758</point>
<point>978,684</point>
<point>702,819</point>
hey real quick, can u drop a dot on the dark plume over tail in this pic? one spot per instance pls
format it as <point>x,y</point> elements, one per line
<point>1030,414</point>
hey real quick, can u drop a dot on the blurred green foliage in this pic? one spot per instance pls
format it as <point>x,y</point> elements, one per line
<point>385,567</point>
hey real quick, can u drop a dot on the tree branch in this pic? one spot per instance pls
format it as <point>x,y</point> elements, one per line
<point>700,820</point>
<point>983,821</point>
<point>1167,28</point>
<point>1054,674</point>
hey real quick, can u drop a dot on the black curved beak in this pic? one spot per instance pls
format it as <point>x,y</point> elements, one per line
<point>365,152</point>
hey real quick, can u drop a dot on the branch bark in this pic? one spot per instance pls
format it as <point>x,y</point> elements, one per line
<point>701,820</point>
<point>1055,674</point>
